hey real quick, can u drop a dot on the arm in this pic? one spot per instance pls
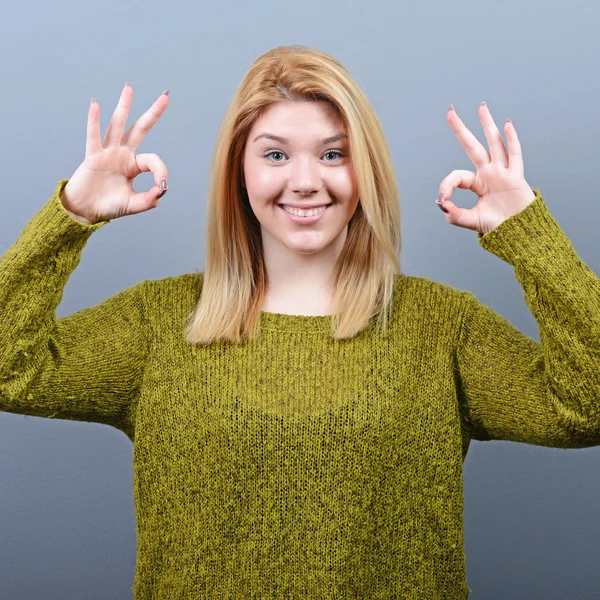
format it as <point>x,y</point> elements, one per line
<point>87,366</point>
<point>511,387</point>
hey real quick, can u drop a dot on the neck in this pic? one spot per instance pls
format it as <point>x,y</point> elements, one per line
<point>300,283</point>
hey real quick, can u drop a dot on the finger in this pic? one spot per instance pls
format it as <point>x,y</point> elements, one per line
<point>149,163</point>
<point>93,143</point>
<point>515,155</point>
<point>475,151</point>
<point>461,217</point>
<point>493,136</point>
<point>119,118</point>
<point>458,179</point>
<point>136,133</point>
<point>455,215</point>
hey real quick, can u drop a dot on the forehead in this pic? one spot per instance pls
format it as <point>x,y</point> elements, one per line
<point>300,119</point>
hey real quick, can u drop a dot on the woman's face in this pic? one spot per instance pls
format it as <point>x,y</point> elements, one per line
<point>301,168</point>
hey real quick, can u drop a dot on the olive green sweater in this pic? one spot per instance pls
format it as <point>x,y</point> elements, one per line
<point>296,466</point>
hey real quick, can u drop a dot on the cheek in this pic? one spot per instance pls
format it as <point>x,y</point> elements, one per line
<point>264,188</point>
<point>261,181</point>
<point>343,182</point>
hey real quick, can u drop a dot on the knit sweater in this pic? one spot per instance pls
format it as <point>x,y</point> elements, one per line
<point>296,466</point>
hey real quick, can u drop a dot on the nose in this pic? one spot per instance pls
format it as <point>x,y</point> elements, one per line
<point>305,177</point>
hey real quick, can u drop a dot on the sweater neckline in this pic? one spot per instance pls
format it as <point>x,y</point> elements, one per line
<point>289,323</point>
<point>274,321</point>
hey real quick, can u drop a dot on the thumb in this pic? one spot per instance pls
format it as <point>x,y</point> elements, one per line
<point>461,217</point>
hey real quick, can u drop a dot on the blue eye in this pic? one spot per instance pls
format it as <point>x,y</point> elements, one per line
<point>337,153</point>
<point>273,152</point>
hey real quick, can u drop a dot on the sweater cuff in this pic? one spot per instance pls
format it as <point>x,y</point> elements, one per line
<point>530,233</point>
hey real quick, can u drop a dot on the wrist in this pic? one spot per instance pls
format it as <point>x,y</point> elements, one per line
<point>73,215</point>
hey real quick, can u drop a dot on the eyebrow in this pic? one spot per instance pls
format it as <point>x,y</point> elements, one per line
<point>282,140</point>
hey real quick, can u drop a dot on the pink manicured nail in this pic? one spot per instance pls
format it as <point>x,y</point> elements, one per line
<point>440,202</point>
<point>162,187</point>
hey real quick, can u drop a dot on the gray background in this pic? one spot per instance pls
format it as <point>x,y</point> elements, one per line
<point>532,516</point>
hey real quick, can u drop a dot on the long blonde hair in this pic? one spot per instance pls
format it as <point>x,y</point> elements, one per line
<point>234,280</point>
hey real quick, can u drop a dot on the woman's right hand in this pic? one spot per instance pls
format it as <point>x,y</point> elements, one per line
<point>101,188</point>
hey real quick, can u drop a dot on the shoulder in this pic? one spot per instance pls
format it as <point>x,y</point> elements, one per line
<point>174,283</point>
<point>418,290</point>
<point>422,304</point>
<point>174,293</point>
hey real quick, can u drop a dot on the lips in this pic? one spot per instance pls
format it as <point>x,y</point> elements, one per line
<point>304,207</point>
<point>305,220</point>
<point>304,213</point>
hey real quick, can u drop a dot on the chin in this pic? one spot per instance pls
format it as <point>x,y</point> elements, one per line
<point>305,250</point>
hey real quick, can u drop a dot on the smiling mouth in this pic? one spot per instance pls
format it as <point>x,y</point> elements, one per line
<point>305,213</point>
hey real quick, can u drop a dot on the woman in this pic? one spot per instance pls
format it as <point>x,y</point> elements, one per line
<point>300,411</point>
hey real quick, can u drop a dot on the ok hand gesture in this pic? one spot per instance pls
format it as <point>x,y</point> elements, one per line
<point>499,181</point>
<point>101,187</point>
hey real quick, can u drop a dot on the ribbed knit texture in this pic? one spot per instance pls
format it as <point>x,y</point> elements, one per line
<point>296,466</point>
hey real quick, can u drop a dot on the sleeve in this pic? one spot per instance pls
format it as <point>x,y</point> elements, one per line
<point>87,366</point>
<point>512,387</point>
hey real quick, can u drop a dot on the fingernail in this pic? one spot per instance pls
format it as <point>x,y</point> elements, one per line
<point>93,100</point>
<point>483,103</point>
<point>163,187</point>
<point>509,119</point>
<point>127,84</point>
<point>165,93</point>
<point>440,202</point>
<point>451,107</point>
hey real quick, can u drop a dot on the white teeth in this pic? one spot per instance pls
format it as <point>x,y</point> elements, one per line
<point>304,213</point>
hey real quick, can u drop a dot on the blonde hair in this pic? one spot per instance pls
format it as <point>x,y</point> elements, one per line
<point>234,280</point>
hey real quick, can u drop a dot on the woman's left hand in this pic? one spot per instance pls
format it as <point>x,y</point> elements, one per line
<point>499,181</point>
